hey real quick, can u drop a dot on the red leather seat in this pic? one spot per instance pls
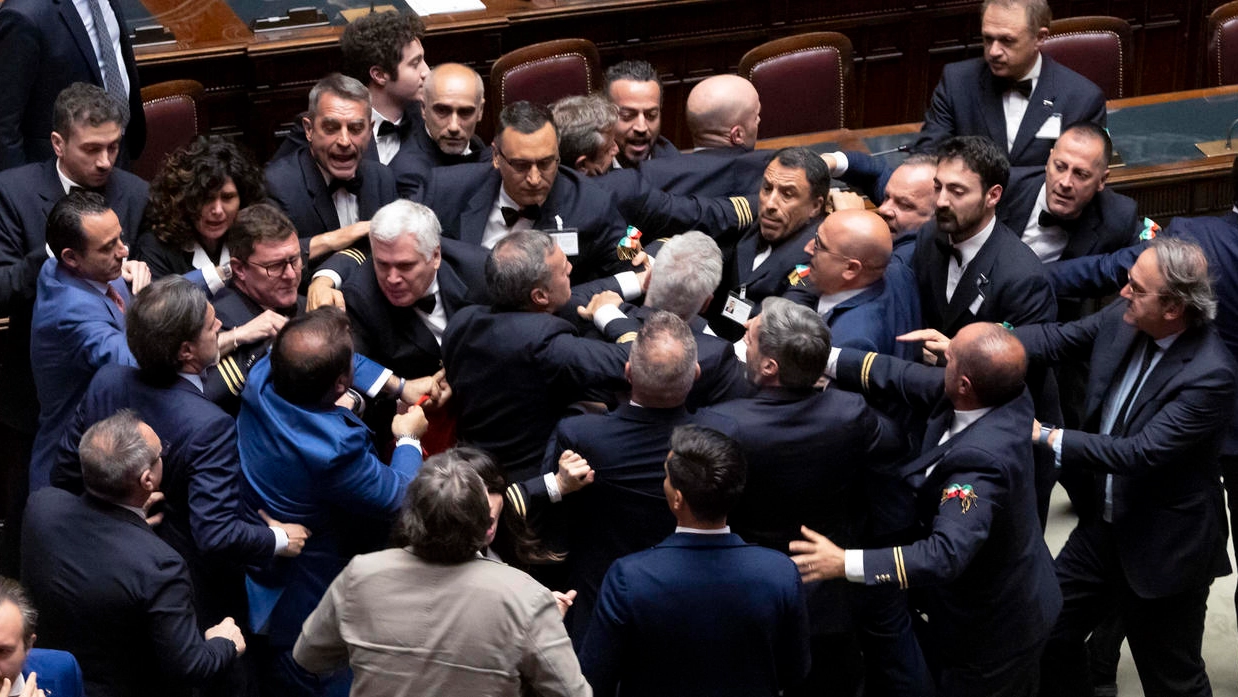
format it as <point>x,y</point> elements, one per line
<point>1223,45</point>
<point>172,121</point>
<point>805,83</point>
<point>545,73</point>
<point>1098,48</point>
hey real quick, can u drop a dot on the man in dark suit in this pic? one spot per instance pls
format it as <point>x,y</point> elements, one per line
<point>108,590</point>
<point>723,113</point>
<point>524,188</point>
<point>864,297</point>
<point>329,189</point>
<point>905,195</point>
<point>515,367</point>
<point>79,314</point>
<point>971,551</point>
<point>308,458</point>
<point>634,87</point>
<point>702,612</point>
<point>87,136</point>
<point>1024,98</point>
<point>782,431</point>
<point>47,46</point>
<point>1154,543</point>
<point>453,106</point>
<point>172,332</point>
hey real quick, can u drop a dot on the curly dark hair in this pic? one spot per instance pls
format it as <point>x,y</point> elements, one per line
<point>188,179</point>
<point>378,39</point>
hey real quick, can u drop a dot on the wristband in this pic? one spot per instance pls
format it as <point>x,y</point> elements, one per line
<point>399,391</point>
<point>1045,431</point>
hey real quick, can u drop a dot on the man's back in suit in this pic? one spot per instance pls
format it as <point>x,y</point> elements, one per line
<point>117,597</point>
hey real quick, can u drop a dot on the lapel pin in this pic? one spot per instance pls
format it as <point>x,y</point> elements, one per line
<point>1048,102</point>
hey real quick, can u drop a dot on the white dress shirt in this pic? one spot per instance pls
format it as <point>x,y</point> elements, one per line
<point>1047,242</point>
<point>112,36</point>
<point>1015,105</point>
<point>496,227</point>
<point>968,249</point>
<point>386,146</point>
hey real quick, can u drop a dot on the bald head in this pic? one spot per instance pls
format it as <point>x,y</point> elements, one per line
<point>910,195</point>
<point>454,100</point>
<point>987,366</point>
<point>851,250</point>
<point>452,77</point>
<point>723,111</point>
<point>862,235</point>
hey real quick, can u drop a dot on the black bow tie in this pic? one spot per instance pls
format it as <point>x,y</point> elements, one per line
<point>949,249</point>
<point>1047,219</point>
<point>88,189</point>
<point>1023,87</point>
<point>511,215</point>
<point>426,304</point>
<point>352,186</point>
<point>401,129</point>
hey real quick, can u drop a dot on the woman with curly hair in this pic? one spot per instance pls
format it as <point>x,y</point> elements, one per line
<point>193,201</point>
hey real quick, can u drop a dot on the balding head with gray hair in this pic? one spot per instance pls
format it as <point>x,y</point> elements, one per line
<point>795,338</point>
<point>115,452</point>
<point>662,364</point>
<point>1185,269</point>
<point>402,218</point>
<point>687,271</point>
<point>583,124</point>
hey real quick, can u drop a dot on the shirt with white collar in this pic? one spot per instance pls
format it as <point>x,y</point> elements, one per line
<point>345,202</point>
<point>968,249</point>
<point>1047,242</point>
<point>496,227</point>
<point>724,530</point>
<point>827,303</point>
<point>435,321</point>
<point>386,146</point>
<point>1014,105</point>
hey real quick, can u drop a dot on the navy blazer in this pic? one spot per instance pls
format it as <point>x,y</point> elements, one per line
<point>113,594</point>
<point>657,213</point>
<point>868,174</point>
<point>871,319</point>
<point>701,615</point>
<point>714,172</point>
<point>76,331</point>
<point>224,382</point>
<point>463,197</point>
<point>44,48</point>
<point>968,101</point>
<point>58,672</point>
<point>201,480</point>
<point>27,194</point>
<point>981,572</point>
<point>1168,507</point>
<point>295,140</point>
<point>419,155</point>
<point>1108,223</point>
<point>773,277</point>
<point>515,373</point>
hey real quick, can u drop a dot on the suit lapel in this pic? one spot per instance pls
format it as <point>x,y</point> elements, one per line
<point>1107,365</point>
<point>1172,363</point>
<point>369,200</point>
<point>971,283</point>
<point>1084,239</point>
<point>1037,111</point>
<point>52,190</point>
<point>451,290</point>
<point>991,107</point>
<point>477,212</point>
<point>72,20</point>
<point>316,187</point>
<point>745,252</point>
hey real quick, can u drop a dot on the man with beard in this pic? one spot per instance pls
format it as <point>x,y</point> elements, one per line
<point>634,87</point>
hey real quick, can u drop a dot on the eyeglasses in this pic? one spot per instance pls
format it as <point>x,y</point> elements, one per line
<point>545,165</point>
<point>275,269</point>
<point>819,246</point>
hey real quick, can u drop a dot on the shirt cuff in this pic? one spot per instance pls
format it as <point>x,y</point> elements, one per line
<point>605,315</point>
<point>552,487</point>
<point>840,164</point>
<point>408,440</point>
<point>854,564</point>
<point>281,539</point>
<point>831,365</point>
<point>629,286</point>
<point>336,281</point>
<point>213,282</point>
<point>373,390</point>
<point>1057,448</point>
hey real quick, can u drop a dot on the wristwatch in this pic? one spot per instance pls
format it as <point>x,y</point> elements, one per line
<point>1045,430</point>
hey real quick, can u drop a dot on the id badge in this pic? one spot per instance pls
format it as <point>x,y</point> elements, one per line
<point>567,240</point>
<point>736,309</point>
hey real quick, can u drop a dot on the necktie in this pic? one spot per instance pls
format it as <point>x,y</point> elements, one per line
<point>1149,352</point>
<point>426,304</point>
<point>400,130</point>
<point>115,297</point>
<point>353,186</point>
<point>1047,219</point>
<point>112,80</point>
<point>511,215</point>
<point>1023,87</point>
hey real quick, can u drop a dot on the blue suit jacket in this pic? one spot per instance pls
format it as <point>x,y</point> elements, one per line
<point>76,331</point>
<point>44,48</point>
<point>698,614</point>
<point>316,467</point>
<point>57,672</point>
<point>982,573</point>
<point>27,195</point>
<point>463,196</point>
<point>201,480</point>
<point>871,319</point>
<point>1167,499</point>
<point>968,101</point>
<point>717,172</point>
<point>868,174</point>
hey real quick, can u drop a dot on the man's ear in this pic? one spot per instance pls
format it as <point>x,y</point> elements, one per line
<point>58,144</point>
<point>378,76</point>
<point>579,164</point>
<point>539,297</point>
<point>70,258</point>
<point>148,480</point>
<point>308,125</point>
<point>627,371</point>
<point>185,352</point>
<point>992,196</point>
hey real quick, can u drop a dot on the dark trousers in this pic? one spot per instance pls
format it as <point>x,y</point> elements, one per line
<point>893,662</point>
<point>1165,634</point>
<point>1229,474</point>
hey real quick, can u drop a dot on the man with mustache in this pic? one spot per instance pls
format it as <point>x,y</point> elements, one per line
<point>634,87</point>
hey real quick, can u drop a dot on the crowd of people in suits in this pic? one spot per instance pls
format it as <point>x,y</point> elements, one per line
<point>573,412</point>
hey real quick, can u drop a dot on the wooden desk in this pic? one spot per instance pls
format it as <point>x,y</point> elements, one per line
<point>1183,182</point>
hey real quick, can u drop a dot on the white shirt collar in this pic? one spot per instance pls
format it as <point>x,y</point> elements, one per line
<point>970,247</point>
<point>827,303</point>
<point>1034,73</point>
<point>1165,342</point>
<point>724,530</point>
<point>101,287</point>
<point>18,685</point>
<point>65,182</point>
<point>506,201</point>
<point>194,379</point>
<point>963,419</point>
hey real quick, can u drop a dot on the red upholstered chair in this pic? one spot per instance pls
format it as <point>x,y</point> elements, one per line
<point>1223,45</point>
<point>172,121</point>
<point>805,83</point>
<point>1098,48</point>
<point>545,73</point>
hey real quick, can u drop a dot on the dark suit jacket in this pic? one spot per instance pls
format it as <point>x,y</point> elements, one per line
<point>1168,509</point>
<point>113,594</point>
<point>657,213</point>
<point>515,373</point>
<point>871,319</point>
<point>419,155</point>
<point>463,196</point>
<point>1108,223</point>
<point>772,277</point>
<point>27,195</point>
<point>296,185</point>
<point>76,331</point>
<point>295,140</point>
<point>201,480</point>
<point>982,574</point>
<point>968,101</point>
<point>698,614</point>
<point>868,174</point>
<point>44,48</point>
<point>715,172</point>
